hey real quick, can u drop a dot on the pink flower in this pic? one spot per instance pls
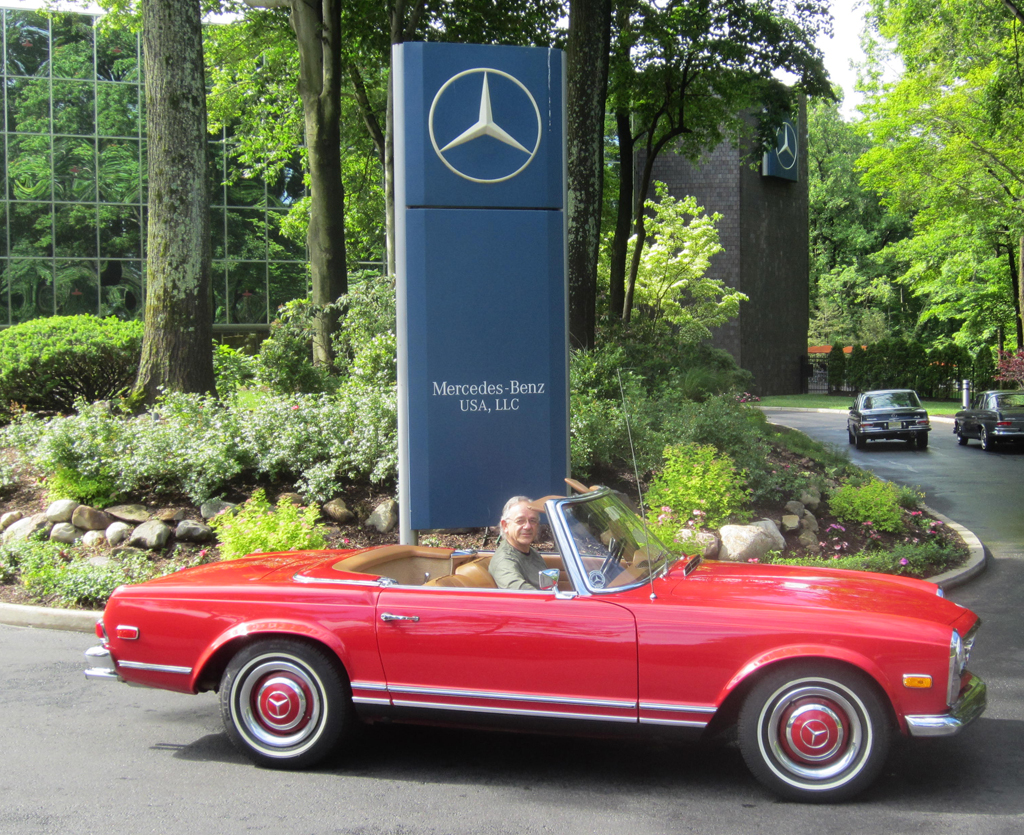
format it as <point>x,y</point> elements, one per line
<point>753,559</point>
<point>904,561</point>
<point>203,553</point>
<point>295,407</point>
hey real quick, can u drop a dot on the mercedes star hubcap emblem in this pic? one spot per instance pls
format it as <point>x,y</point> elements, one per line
<point>486,126</point>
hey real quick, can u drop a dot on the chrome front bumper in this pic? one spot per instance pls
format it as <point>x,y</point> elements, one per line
<point>100,665</point>
<point>968,707</point>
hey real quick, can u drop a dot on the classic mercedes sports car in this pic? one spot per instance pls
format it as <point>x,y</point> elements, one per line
<point>816,668</point>
<point>888,414</point>
<point>994,417</point>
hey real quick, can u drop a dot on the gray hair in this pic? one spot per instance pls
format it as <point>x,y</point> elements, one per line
<point>511,503</point>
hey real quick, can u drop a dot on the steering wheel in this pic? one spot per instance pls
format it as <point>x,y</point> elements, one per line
<point>615,551</point>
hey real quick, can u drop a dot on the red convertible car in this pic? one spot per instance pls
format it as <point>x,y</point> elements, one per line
<point>816,668</point>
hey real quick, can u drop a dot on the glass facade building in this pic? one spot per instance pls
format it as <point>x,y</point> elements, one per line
<point>73,185</point>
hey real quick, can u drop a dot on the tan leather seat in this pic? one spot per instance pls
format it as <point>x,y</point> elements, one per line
<point>449,580</point>
<point>475,573</point>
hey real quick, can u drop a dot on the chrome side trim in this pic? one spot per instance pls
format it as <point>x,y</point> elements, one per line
<point>513,697</point>
<point>679,723</point>
<point>370,700</point>
<point>678,708</point>
<point>969,706</point>
<point>369,685</point>
<point>555,714</point>
<point>329,581</point>
<point>155,668</point>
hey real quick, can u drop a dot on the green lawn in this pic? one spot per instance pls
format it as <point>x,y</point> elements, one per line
<point>843,401</point>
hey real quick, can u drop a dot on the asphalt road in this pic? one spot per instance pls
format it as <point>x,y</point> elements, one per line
<point>92,757</point>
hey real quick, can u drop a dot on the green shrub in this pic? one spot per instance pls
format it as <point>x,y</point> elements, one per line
<point>94,490</point>
<point>911,560</point>
<point>285,360</point>
<point>836,368</point>
<point>259,527</point>
<point>49,364</point>
<point>696,479</point>
<point>232,368</point>
<point>876,502</point>
<point>62,575</point>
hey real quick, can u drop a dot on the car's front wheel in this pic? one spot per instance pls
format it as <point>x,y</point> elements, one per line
<point>814,732</point>
<point>959,432</point>
<point>285,703</point>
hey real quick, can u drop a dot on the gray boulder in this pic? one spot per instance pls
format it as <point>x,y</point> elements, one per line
<point>150,536</point>
<point>117,532</point>
<point>742,543</point>
<point>61,510</point>
<point>65,533</point>
<point>213,507</point>
<point>90,519</point>
<point>337,511</point>
<point>136,514</point>
<point>9,518</point>
<point>94,539</point>
<point>24,528</point>
<point>191,531</point>
<point>384,517</point>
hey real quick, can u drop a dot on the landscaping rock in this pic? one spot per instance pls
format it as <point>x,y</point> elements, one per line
<point>100,560</point>
<point>213,507</point>
<point>9,518</point>
<point>90,519</point>
<point>337,511</point>
<point>699,542</point>
<point>293,498</point>
<point>61,510</point>
<point>170,514</point>
<point>811,497</point>
<point>117,533</point>
<point>150,536</point>
<point>24,528</point>
<point>743,543</point>
<point>790,523</point>
<point>795,508</point>
<point>136,514</point>
<point>809,522</point>
<point>809,541</point>
<point>94,539</point>
<point>384,517</point>
<point>190,531</point>
<point>65,533</point>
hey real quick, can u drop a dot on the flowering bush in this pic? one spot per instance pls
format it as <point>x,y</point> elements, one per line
<point>875,501</point>
<point>695,477</point>
<point>1011,367</point>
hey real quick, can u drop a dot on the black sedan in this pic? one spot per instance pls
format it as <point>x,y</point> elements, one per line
<point>994,417</point>
<point>888,414</point>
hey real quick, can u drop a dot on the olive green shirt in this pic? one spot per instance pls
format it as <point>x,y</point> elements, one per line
<point>512,569</point>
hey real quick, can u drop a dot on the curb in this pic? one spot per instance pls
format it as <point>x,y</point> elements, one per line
<point>975,560</point>
<point>40,617</point>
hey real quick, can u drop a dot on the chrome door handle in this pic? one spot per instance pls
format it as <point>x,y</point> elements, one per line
<point>387,616</point>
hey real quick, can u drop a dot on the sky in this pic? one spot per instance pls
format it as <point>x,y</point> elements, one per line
<point>844,47</point>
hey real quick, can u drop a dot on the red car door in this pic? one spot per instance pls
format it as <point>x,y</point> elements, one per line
<point>508,652</point>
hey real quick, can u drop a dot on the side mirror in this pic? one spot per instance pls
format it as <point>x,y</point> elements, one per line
<point>548,579</point>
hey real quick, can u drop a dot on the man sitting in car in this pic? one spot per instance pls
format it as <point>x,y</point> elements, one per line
<point>516,564</point>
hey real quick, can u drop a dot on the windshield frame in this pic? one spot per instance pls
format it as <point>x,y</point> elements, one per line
<point>561,513</point>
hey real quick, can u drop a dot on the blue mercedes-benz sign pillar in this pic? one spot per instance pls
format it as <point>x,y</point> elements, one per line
<point>480,219</point>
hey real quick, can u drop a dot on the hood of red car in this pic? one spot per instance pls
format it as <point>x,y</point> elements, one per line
<point>788,587</point>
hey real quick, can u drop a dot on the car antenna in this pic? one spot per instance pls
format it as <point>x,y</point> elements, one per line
<point>636,475</point>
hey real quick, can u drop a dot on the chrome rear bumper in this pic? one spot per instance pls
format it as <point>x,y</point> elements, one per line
<point>968,707</point>
<point>100,664</point>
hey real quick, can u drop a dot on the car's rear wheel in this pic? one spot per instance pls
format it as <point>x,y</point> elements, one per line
<point>849,434</point>
<point>922,440</point>
<point>814,732</point>
<point>988,443</point>
<point>858,439</point>
<point>285,703</point>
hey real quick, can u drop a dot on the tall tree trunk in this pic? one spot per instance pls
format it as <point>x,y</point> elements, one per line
<point>177,344</point>
<point>317,29</point>
<point>1018,295</point>
<point>587,71</point>
<point>624,215</point>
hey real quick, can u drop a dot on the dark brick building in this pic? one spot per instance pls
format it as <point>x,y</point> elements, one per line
<point>764,230</point>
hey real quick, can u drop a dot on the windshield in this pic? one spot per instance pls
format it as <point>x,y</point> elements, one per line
<point>615,549</point>
<point>892,400</point>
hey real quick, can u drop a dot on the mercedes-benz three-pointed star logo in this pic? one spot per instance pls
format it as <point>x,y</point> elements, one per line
<point>786,148</point>
<point>485,125</point>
